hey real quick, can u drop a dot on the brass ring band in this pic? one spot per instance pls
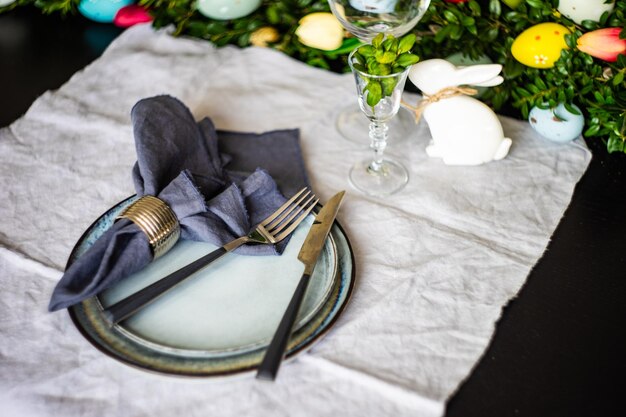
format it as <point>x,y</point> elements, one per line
<point>157,220</point>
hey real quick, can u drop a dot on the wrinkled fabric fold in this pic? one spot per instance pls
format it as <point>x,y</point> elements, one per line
<point>179,161</point>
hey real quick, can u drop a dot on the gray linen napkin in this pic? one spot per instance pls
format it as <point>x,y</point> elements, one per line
<point>179,161</point>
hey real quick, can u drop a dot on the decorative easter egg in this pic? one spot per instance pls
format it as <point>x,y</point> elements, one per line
<point>512,3</point>
<point>264,36</point>
<point>131,15</point>
<point>227,9</point>
<point>320,30</point>
<point>6,2</point>
<point>540,46</point>
<point>558,124</point>
<point>102,11</point>
<point>579,10</point>
<point>463,61</point>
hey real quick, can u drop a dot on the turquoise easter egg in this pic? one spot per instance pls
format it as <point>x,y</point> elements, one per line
<point>102,11</point>
<point>557,124</point>
<point>227,9</point>
<point>463,61</point>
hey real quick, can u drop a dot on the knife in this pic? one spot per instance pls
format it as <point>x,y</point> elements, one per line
<point>310,251</point>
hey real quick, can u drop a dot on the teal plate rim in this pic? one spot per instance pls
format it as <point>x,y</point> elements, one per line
<point>115,343</point>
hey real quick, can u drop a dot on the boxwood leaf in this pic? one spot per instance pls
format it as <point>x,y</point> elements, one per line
<point>373,93</point>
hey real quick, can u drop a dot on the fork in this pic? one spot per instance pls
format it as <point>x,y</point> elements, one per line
<point>272,230</point>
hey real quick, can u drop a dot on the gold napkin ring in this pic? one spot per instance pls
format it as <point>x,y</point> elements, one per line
<point>157,220</point>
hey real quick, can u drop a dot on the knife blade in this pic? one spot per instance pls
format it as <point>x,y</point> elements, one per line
<point>310,251</point>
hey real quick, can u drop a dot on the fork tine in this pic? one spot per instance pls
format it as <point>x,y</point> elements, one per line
<point>294,206</point>
<point>283,207</point>
<point>296,222</point>
<point>284,220</point>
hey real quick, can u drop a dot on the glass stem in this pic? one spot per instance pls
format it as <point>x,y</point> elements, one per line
<point>378,136</point>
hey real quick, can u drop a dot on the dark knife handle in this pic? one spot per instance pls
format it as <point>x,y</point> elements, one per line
<point>134,302</point>
<point>276,350</point>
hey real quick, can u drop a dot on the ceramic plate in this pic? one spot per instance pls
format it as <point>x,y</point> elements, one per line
<point>219,321</point>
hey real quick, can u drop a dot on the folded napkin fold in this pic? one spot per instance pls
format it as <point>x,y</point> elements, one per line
<point>216,196</point>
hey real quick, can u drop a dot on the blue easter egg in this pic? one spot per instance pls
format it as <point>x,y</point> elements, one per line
<point>557,124</point>
<point>227,9</point>
<point>102,11</point>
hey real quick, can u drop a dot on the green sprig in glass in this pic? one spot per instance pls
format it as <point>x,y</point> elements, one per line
<point>384,56</point>
<point>380,72</point>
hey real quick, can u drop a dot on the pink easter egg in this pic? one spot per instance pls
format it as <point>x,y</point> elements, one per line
<point>131,15</point>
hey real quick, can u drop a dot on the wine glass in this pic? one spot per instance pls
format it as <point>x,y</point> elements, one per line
<point>365,19</point>
<point>378,176</point>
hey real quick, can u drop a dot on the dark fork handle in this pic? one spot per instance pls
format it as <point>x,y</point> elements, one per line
<point>134,302</point>
<point>276,350</point>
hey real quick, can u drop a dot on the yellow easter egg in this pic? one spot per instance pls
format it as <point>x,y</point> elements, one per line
<point>540,46</point>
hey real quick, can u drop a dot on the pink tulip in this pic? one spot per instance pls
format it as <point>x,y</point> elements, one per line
<point>603,43</point>
<point>131,15</point>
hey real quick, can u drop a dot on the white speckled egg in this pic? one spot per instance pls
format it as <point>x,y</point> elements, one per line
<point>102,11</point>
<point>579,10</point>
<point>6,2</point>
<point>558,124</point>
<point>227,9</point>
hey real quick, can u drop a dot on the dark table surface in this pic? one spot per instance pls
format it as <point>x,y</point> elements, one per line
<point>560,346</point>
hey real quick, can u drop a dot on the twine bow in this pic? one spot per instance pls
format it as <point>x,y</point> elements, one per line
<point>442,94</point>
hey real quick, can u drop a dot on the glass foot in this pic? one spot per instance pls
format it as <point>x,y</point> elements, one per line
<point>390,179</point>
<point>355,128</point>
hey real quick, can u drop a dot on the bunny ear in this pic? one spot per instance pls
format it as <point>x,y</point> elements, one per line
<point>479,74</point>
<point>490,83</point>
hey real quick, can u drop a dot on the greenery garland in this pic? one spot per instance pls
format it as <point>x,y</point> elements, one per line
<point>475,27</point>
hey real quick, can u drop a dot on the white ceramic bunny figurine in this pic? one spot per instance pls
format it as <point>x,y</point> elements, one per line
<point>464,130</point>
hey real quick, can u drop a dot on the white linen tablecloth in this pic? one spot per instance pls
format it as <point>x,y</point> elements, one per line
<point>435,264</point>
